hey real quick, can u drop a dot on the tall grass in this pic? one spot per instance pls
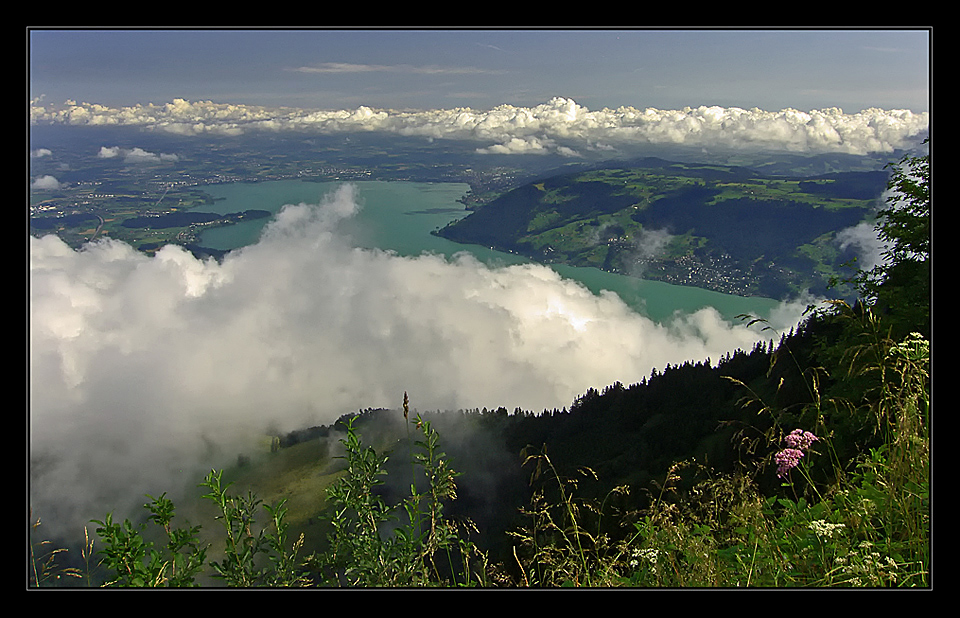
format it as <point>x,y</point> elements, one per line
<point>855,524</point>
<point>867,526</point>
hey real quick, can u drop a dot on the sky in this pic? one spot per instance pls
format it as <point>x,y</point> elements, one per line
<point>441,69</point>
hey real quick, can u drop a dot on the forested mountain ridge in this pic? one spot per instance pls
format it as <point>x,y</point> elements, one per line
<point>725,228</point>
<point>706,413</point>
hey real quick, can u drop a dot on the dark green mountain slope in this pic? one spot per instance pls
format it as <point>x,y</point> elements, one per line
<point>724,228</point>
<point>631,435</point>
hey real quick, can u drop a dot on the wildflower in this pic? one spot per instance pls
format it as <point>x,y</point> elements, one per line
<point>800,439</point>
<point>650,554</point>
<point>824,529</point>
<point>786,460</point>
<point>797,441</point>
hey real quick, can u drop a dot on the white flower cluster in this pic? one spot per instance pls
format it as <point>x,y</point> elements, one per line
<point>649,554</point>
<point>868,568</point>
<point>914,347</point>
<point>825,529</point>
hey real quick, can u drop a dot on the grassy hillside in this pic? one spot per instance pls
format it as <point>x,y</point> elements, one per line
<point>723,228</point>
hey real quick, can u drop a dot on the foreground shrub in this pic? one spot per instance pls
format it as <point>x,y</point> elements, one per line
<point>370,544</point>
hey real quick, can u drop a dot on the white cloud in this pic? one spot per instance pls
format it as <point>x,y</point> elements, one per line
<point>134,155</point>
<point>560,125</point>
<point>864,240</point>
<point>141,155</point>
<point>139,366</point>
<point>45,182</point>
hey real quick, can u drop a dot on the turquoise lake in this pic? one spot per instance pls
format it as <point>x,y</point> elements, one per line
<point>400,216</point>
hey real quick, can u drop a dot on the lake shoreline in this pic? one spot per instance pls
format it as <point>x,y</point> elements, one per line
<point>384,221</point>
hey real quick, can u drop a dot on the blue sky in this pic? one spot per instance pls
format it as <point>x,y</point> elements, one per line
<point>430,69</point>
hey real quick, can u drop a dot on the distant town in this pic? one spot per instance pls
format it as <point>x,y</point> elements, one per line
<point>86,196</point>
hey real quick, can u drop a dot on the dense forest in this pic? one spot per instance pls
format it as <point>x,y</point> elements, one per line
<point>804,461</point>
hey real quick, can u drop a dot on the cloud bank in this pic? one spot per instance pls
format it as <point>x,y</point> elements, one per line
<point>560,126</point>
<point>144,369</point>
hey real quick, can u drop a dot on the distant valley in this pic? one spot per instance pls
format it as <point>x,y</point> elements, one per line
<point>760,225</point>
<point>724,228</point>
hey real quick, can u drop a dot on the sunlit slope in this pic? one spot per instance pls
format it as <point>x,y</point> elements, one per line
<point>297,469</point>
<point>718,227</point>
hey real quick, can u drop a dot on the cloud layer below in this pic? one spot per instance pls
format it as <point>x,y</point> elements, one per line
<point>145,368</point>
<point>560,126</point>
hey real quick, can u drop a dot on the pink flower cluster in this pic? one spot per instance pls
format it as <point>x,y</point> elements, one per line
<point>797,442</point>
<point>800,439</point>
